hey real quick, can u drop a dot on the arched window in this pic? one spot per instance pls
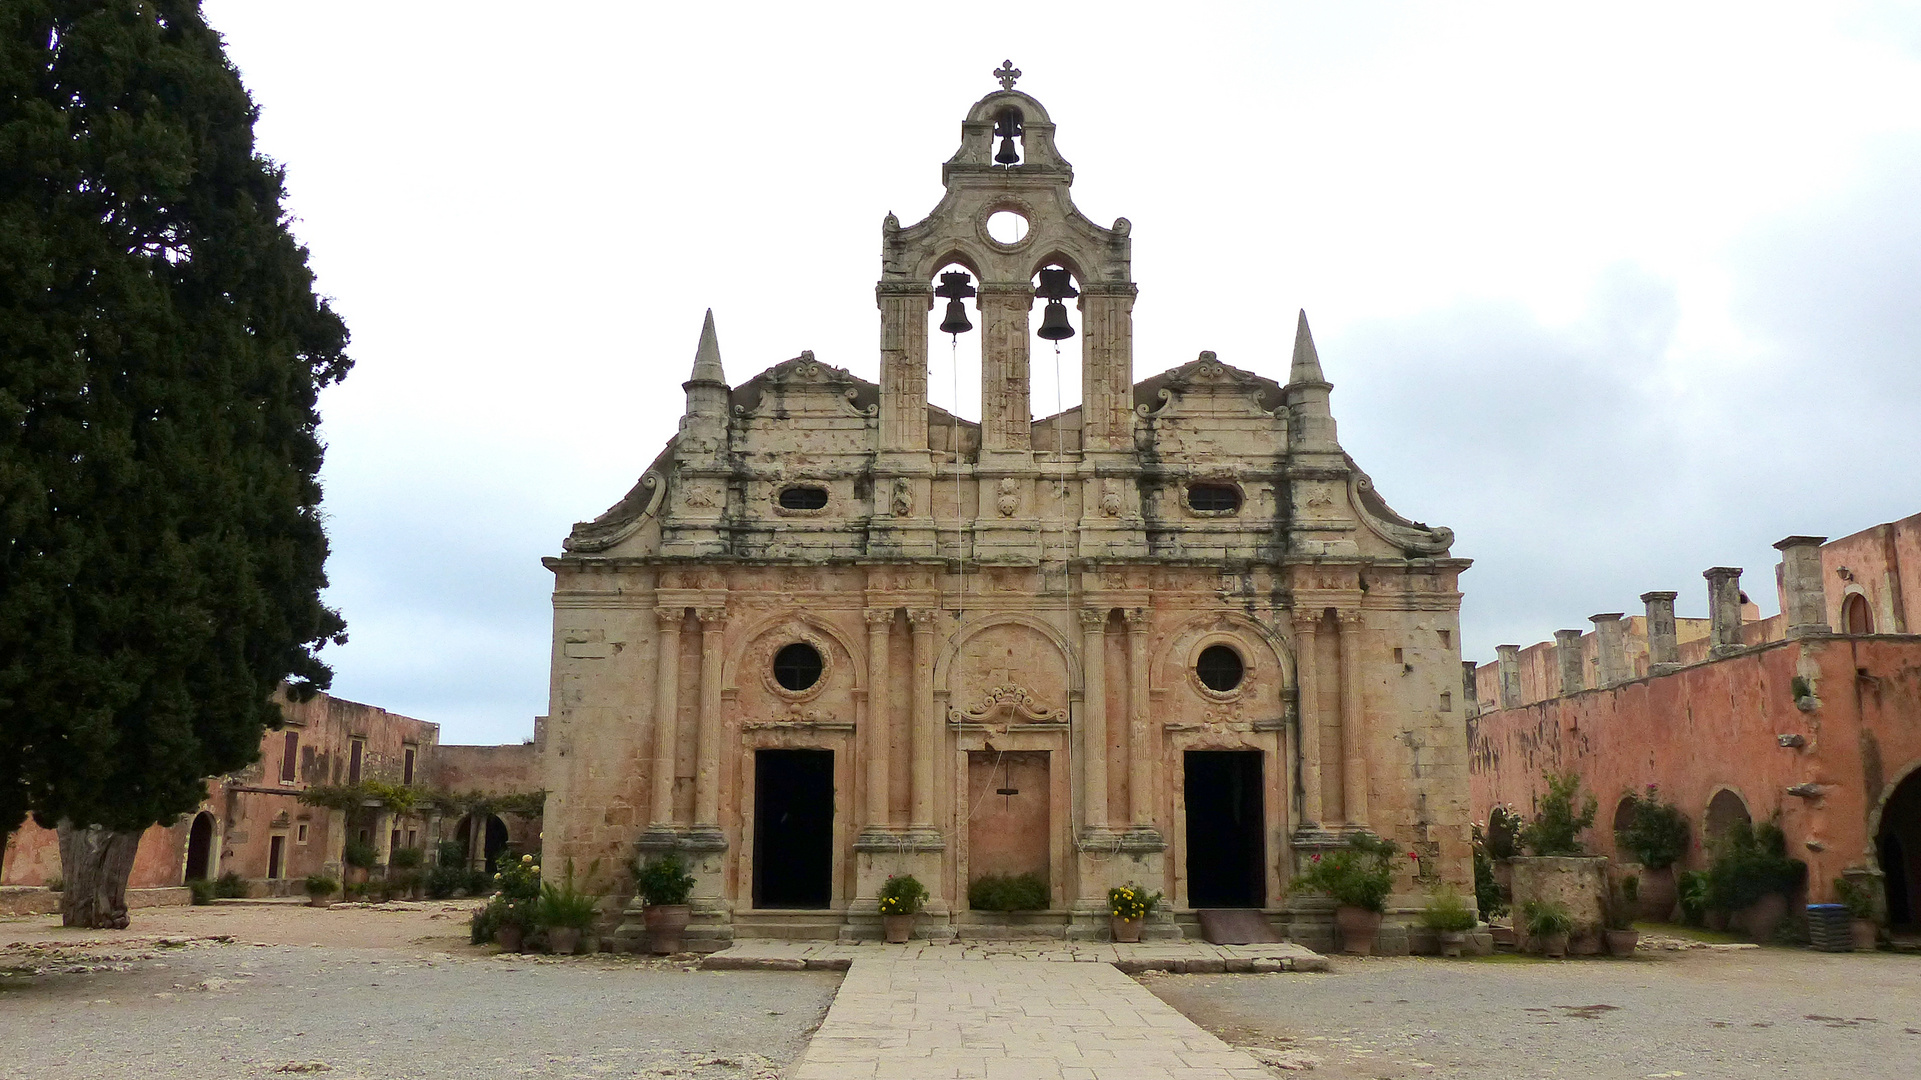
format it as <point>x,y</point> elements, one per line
<point>1725,810</point>
<point>1855,616</point>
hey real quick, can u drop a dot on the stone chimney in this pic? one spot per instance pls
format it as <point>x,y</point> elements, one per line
<point>1470,701</point>
<point>1567,654</point>
<point>1803,600</point>
<point>1664,643</point>
<point>1508,665</point>
<point>1724,610</point>
<point>1610,647</point>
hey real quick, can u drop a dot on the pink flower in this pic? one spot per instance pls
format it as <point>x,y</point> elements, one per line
<point>1414,855</point>
<point>1317,858</point>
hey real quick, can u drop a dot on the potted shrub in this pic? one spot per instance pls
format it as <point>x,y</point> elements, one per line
<point>901,898</point>
<point>1127,906</point>
<point>663,885</point>
<point>511,913</point>
<point>1358,878</point>
<point>1548,923</point>
<point>1657,836</point>
<point>1859,900</point>
<point>1448,915</point>
<point>358,855</point>
<point>1751,876</point>
<point>1557,826</point>
<point>319,888</point>
<point>1623,903</point>
<point>566,913</point>
<point>1007,892</point>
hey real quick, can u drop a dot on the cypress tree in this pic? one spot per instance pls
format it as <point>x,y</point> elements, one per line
<point>161,356</point>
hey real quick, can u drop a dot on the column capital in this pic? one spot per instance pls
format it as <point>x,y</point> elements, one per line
<point>712,618</point>
<point>1348,620</point>
<point>1092,619</point>
<point>877,617</point>
<point>1136,618</point>
<point>1307,622</point>
<point>1655,597</point>
<point>922,618</point>
<point>670,617</point>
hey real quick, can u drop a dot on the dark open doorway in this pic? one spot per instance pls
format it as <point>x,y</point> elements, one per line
<point>1898,844</point>
<point>793,828</point>
<point>200,847</point>
<point>1225,851</point>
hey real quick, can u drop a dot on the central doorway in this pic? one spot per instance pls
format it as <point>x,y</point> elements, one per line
<point>200,847</point>
<point>793,828</point>
<point>1225,852</point>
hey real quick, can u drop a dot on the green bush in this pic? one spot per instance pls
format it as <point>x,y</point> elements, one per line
<point>1488,894</point>
<point>516,903</point>
<point>353,892</point>
<point>479,882</point>
<point>1557,827</point>
<point>663,881</point>
<point>1504,826</point>
<point>1751,861</point>
<point>403,884</point>
<point>902,894</point>
<point>1546,917</point>
<point>203,891</point>
<point>565,907</point>
<point>359,854</point>
<point>449,853</point>
<point>1131,902</point>
<point>1360,876</point>
<point>231,886</point>
<point>1007,892</point>
<point>1447,912</point>
<point>319,885</point>
<point>1657,831</point>
<point>1691,888</point>
<point>1858,898</point>
<point>406,858</point>
<point>445,879</point>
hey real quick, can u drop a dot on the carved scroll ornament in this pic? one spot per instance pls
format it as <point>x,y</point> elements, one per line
<point>1007,703</point>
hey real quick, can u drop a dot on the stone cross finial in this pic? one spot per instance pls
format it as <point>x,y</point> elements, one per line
<point>1007,73</point>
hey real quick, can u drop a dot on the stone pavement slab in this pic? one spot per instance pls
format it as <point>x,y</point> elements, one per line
<point>1182,957</point>
<point>1007,1018</point>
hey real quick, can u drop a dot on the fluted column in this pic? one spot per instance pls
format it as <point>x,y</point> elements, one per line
<point>1353,723</point>
<point>1006,421</point>
<point>903,364</point>
<point>1094,717</point>
<point>666,713</point>
<point>880,719</point>
<point>926,730</point>
<point>1308,712</point>
<point>1140,761</point>
<point>713,625</point>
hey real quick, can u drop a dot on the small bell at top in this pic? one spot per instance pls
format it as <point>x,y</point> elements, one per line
<point>955,286</point>
<point>1008,126</point>
<point>1054,324</point>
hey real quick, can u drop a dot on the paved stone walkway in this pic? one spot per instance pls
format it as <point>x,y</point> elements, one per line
<point>1183,957</point>
<point>1009,1019</point>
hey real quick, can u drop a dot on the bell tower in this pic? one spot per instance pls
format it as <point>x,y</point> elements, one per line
<point>1007,162</point>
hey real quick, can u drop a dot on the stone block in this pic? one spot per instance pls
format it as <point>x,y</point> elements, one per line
<point>1391,940</point>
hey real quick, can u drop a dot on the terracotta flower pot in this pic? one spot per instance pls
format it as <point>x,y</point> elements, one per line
<point>1125,929</point>
<point>1658,895</point>
<point>563,940</point>
<point>1866,934</point>
<point>510,936</point>
<point>664,925</point>
<point>1452,942</point>
<point>320,901</point>
<point>898,928</point>
<point>1553,946</point>
<point>1585,942</point>
<point>1759,920</point>
<point>1622,942</point>
<point>1358,927</point>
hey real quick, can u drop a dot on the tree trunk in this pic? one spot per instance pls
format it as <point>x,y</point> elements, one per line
<point>95,864</point>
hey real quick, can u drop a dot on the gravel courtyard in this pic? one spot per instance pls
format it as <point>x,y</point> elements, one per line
<point>1695,1014</point>
<point>382,996</point>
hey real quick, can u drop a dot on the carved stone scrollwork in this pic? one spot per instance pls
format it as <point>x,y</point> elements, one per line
<point>1093,618</point>
<point>1009,499</point>
<point>903,503</point>
<point>878,616</point>
<point>1007,703</point>
<point>1412,537</point>
<point>922,617</point>
<point>670,616</point>
<point>712,618</point>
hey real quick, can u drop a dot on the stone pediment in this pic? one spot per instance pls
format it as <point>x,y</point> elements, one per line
<point>807,386</point>
<point>1202,387</point>
<point>1007,704</point>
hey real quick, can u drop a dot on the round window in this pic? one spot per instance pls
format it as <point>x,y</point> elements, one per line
<point>803,498</point>
<point>1220,668</point>
<point>1007,226</point>
<point>797,666</point>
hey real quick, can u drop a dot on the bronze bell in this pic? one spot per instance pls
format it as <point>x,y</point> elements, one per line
<point>955,286</point>
<point>956,320</point>
<point>1054,325</point>
<point>1008,126</point>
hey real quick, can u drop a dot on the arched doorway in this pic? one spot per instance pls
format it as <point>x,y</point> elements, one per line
<point>495,843</point>
<point>1898,845</point>
<point>1725,810</point>
<point>200,847</point>
<point>1855,616</point>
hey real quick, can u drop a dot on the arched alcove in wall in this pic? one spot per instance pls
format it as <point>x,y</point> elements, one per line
<point>1897,848</point>
<point>1725,810</point>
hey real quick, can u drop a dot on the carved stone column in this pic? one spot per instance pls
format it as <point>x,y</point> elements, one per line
<point>1354,744</point>
<point>1806,603</point>
<point>1610,648</point>
<point>1107,367</point>
<point>1567,656</point>
<point>903,364</point>
<point>666,715</point>
<point>880,719</point>
<point>1006,414</point>
<point>1724,610</point>
<point>713,626</point>
<point>1308,712</point>
<point>926,730</point>
<point>1140,749</point>
<point>1664,647</point>
<point>1093,746</point>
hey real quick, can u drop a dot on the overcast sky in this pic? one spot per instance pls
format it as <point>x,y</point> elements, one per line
<point>1618,292</point>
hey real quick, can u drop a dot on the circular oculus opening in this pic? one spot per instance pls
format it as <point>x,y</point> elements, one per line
<point>1214,498</point>
<point>803,498</point>
<point>797,666</point>
<point>1220,668</point>
<point>1007,226</point>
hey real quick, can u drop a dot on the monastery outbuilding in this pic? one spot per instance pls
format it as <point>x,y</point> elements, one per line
<point>1172,636</point>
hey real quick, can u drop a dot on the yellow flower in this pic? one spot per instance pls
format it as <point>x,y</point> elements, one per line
<point>526,858</point>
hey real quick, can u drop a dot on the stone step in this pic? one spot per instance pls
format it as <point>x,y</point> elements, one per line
<point>809,925</point>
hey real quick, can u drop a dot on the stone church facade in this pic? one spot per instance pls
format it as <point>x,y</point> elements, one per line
<point>1172,636</point>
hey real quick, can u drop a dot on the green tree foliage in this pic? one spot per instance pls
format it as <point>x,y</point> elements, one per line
<point>1557,826</point>
<point>1657,831</point>
<point>161,548</point>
